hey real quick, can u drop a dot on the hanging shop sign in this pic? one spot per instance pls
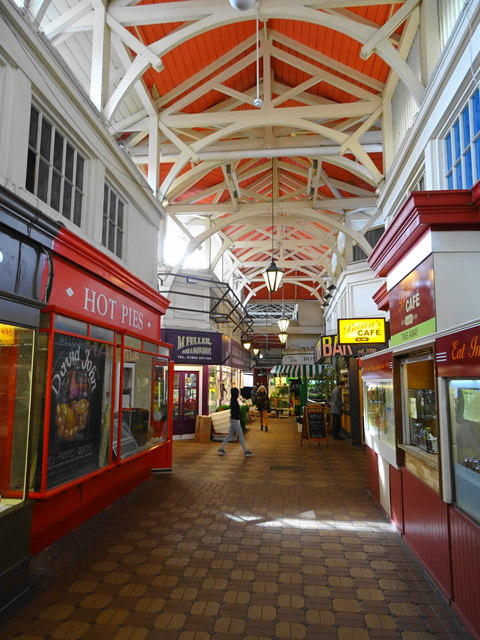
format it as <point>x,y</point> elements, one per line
<point>329,346</point>
<point>299,358</point>
<point>412,305</point>
<point>76,292</point>
<point>76,408</point>
<point>194,347</point>
<point>362,331</point>
<point>237,356</point>
<point>458,354</point>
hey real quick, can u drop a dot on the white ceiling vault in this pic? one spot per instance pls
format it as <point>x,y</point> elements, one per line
<point>176,82</point>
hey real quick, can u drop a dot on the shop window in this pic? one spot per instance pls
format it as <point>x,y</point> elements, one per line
<point>54,168</point>
<point>113,224</point>
<point>464,401</point>
<point>77,424</point>
<point>462,147</point>
<point>16,361</point>
<point>379,415</point>
<point>144,395</point>
<point>419,404</point>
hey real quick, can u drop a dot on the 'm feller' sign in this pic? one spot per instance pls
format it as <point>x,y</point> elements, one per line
<point>362,331</point>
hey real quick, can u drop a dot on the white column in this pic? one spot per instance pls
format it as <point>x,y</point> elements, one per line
<point>15,103</point>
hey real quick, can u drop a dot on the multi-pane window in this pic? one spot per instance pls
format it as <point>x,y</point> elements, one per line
<point>372,236</point>
<point>462,147</point>
<point>54,168</point>
<point>113,221</point>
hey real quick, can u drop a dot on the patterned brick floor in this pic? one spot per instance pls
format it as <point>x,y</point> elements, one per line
<point>285,544</point>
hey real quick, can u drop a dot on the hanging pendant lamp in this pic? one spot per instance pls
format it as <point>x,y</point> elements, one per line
<point>282,336</point>
<point>284,321</point>
<point>273,275</point>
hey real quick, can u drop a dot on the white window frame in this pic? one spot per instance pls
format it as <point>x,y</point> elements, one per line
<point>57,179</point>
<point>109,223</point>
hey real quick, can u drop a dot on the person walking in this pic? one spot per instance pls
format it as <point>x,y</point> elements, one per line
<point>336,409</point>
<point>263,406</point>
<point>235,426</point>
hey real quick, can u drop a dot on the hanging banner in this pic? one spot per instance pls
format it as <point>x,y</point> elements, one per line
<point>412,305</point>
<point>194,347</point>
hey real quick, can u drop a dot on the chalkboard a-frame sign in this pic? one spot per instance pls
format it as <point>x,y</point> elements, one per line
<point>314,424</point>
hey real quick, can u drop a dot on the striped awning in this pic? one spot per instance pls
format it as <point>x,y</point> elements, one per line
<point>297,370</point>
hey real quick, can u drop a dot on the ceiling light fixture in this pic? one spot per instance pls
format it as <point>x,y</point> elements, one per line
<point>284,321</point>
<point>246,342</point>
<point>242,5</point>
<point>283,337</point>
<point>258,102</point>
<point>256,351</point>
<point>273,275</point>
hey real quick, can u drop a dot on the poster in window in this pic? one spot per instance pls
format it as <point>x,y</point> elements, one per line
<point>76,408</point>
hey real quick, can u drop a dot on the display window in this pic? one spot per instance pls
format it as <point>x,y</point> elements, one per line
<point>16,362</point>
<point>419,403</point>
<point>103,399</point>
<point>213,388</point>
<point>378,414</point>
<point>464,408</point>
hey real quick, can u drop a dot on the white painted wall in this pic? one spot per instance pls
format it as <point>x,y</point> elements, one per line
<point>353,297</point>
<point>31,71</point>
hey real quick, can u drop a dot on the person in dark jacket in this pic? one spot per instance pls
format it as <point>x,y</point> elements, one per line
<point>263,406</point>
<point>336,408</point>
<point>235,426</point>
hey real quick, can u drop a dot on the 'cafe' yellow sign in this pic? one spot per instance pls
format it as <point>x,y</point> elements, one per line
<point>361,330</point>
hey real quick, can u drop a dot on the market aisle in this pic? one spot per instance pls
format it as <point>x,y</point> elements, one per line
<point>285,544</point>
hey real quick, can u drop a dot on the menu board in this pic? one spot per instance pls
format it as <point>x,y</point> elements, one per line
<point>75,408</point>
<point>314,424</point>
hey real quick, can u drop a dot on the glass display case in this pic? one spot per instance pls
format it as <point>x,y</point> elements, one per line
<point>419,402</point>
<point>378,410</point>
<point>464,408</point>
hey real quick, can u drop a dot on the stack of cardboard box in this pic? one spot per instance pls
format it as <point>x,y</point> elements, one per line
<point>203,428</point>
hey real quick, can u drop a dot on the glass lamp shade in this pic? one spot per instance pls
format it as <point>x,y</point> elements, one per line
<point>246,344</point>
<point>283,324</point>
<point>273,276</point>
<point>256,351</point>
<point>283,337</point>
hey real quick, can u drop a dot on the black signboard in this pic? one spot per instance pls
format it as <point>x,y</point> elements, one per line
<point>314,423</point>
<point>75,409</point>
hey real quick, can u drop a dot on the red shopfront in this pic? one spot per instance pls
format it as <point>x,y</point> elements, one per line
<point>422,420</point>
<point>102,419</point>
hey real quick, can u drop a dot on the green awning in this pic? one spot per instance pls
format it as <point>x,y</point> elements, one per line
<point>297,370</point>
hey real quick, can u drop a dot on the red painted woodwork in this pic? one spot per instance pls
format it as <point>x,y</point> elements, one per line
<point>465,540</point>
<point>85,256</point>
<point>55,516</point>
<point>373,476</point>
<point>381,298</point>
<point>424,211</point>
<point>396,503</point>
<point>8,371</point>
<point>426,529</point>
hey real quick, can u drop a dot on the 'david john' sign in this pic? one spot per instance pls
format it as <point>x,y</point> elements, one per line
<point>362,331</point>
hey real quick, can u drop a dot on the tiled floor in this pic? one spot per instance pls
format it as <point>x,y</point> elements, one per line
<point>285,544</point>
